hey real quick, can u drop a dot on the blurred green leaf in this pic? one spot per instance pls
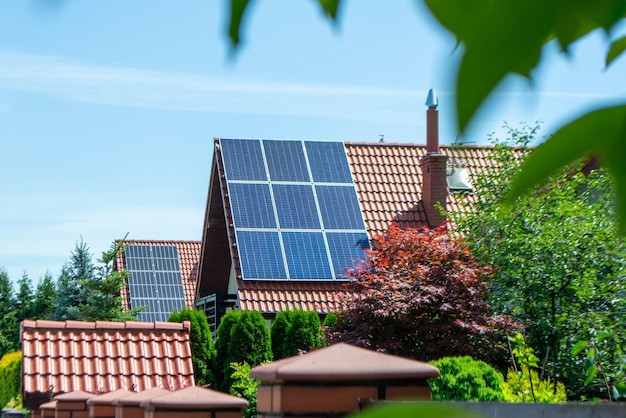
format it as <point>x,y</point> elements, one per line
<point>617,48</point>
<point>422,410</point>
<point>507,37</point>
<point>601,132</point>
<point>603,336</point>
<point>591,354</point>
<point>591,373</point>
<point>579,347</point>
<point>330,7</point>
<point>237,11</point>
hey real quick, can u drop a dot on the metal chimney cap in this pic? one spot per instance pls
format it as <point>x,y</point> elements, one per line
<point>431,100</point>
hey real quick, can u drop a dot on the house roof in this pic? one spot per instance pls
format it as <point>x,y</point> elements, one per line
<point>101,357</point>
<point>388,179</point>
<point>188,258</point>
<point>274,296</point>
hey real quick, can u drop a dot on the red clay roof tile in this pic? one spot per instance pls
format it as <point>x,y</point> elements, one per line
<point>61,357</point>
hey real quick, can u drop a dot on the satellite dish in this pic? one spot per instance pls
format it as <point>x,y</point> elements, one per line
<point>458,180</point>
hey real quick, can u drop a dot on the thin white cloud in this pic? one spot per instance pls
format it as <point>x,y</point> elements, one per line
<point>133,87</point>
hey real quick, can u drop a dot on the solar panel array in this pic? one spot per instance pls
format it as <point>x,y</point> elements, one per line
<point>155,281</point>
<point>295,209</point>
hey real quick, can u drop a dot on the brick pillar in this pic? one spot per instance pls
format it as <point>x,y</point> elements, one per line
<point>434,187</point>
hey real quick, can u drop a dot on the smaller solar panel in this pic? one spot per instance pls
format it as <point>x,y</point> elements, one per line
<point>252,205</point>
<point>347,249</point>
<point>285,161</point>
<point>261,256</point>
<point>329,163</point>
<point>155,281</point>
<point>243,159</point>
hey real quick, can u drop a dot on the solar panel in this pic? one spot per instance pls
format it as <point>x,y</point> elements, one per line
<point>340,207</point>
<point>285,161</point>
<point>295,205</point>
<point>252,205</point>
<point>346,249</point>
<point>329,163</point>
<point>300,222</point>
<point>155,281</point>
<point>243,159</point>
<point>306,254</point>
<point>261,256</point>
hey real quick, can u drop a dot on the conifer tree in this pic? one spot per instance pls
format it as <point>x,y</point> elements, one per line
<point>71,290</point>
<point>202,351</point>
<point>9,324</point>
<point>24,299</point>
<point>45,299</point>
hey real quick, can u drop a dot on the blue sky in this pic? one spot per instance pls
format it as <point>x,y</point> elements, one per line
<point>108,109</point>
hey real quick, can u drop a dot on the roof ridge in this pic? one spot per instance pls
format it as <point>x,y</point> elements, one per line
<point>100,325</point>
<point>129,241</point>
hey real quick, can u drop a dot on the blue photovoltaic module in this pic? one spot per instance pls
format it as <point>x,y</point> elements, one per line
<point>155,281</point>
<point>295,209</point>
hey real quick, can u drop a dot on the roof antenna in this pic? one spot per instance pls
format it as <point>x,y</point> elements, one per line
<point>382,138</point>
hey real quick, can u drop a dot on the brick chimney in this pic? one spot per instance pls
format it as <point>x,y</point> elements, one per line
<point>433,164</point>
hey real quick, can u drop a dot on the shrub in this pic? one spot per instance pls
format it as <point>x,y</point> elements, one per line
<point>466,379</point>
<point>10,377</point>
<point>296,331</point>
<point>279,334</point>
<point>242,336</point>
<point>244,387</point>
<point>330,320</point>
<point>201,340</point>
<point>517,388</point>
<point>523,384</point>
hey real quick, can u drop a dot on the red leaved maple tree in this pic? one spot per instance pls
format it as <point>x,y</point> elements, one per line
<point>422,295</point>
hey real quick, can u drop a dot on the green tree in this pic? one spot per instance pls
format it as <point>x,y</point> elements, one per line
<point>304,333</point>
<point>466,379</point>
<point>9,321</point>
<point>103,299</point>
<point>559,261</point>
<point>24,298</point>
<point>294,332</point>
<point>279,334</point>
<point>242,336</point>
<point>45,298</point>
<point>71,283</point>
<point>202,351</point>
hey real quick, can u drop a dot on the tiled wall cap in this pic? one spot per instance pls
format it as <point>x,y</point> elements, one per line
<point>108,398</point>
<point>75,396</point>
<point>48,405</point>
<point>344,362</point>
<point>194,397</point>
<point>135,399</point>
